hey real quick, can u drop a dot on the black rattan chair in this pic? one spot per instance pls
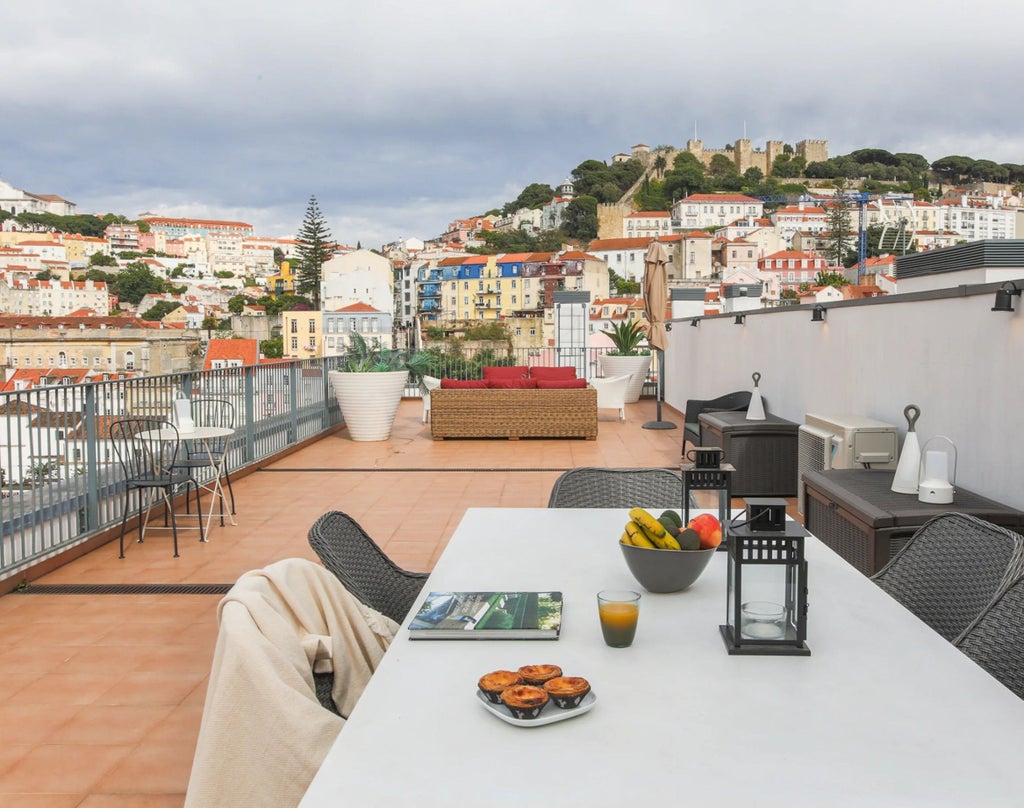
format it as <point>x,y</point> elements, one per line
<point>589,487</point>
<point>995,640</point>
<point>349,552</point>
<point>739,400</point>
<point>951,569</point>
<point>148,463</point>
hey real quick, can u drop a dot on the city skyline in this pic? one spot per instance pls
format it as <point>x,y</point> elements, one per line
<point>400,118</point>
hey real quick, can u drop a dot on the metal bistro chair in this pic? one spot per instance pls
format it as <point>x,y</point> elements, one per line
<point>348,551</point>
<point>951,568</point>
<point>148,463</point>
<point>590,487</point>
<point>995,640</point>
<point>212,453</point>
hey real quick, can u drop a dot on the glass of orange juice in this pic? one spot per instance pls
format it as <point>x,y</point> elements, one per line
<point>618,610</point>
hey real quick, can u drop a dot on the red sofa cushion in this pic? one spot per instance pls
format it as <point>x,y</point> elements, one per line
<point>501,372</point>
<point>560,384</point>
<point>512,384</point>
<point>463,384</point>
<point>542,372</point>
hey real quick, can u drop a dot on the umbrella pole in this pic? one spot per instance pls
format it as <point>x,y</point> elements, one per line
<point>659,424</point>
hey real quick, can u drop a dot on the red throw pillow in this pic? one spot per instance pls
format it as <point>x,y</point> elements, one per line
<point>560,384</point>
<point>501,372</point>
<point>542,372</point>
<point>463,384</point>
<point>512,384</point>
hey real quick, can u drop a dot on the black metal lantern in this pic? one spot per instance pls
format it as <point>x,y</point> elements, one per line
<point>707,473</point>
<point>767,584</point>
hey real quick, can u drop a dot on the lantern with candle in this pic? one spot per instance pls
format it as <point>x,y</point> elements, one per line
<point>937,473</point>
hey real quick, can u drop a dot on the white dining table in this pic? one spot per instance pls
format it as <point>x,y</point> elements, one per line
<point>884,712</point>
<point>205,435</point>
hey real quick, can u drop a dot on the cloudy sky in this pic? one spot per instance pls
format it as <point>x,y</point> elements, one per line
<point>400,116</point>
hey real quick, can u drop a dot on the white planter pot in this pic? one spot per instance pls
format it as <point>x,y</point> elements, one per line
<point>637,366</point>
<point>369,401</point>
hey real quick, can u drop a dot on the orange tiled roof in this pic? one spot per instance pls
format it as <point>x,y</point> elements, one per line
<point>359,306</point>
<point>619,243</point>
<point>245,349</point>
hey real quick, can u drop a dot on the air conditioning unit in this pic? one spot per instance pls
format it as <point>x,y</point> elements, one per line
<point>843,442</point>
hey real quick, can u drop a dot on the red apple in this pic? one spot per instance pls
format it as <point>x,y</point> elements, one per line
<point>708,528</point>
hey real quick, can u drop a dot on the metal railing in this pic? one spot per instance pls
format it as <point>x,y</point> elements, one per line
<point>59,477</point>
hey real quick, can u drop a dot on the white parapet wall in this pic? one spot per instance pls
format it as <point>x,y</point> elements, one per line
<point>945,351</point>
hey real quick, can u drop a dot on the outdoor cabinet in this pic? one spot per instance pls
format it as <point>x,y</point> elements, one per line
<point>764,453</point>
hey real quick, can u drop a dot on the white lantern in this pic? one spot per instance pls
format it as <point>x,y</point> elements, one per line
<point>937,474</point>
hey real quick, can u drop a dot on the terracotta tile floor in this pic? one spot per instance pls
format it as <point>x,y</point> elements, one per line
<point>102,695</point>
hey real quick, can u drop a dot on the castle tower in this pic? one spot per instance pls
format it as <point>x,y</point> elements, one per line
<point>813,151</point>
<point>741,155</point>
<point>696,148</point>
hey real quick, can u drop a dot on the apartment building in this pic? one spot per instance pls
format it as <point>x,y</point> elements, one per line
<point>698,211</point>
<point>787,269</point>
<point>302,331</point>
<point>646,224</point>
<point>14,200</point>
<point>180,228</point>
<point>107,344</point>
<point>373,325</point>
<point>800,218</point>
<point>57,298</point>
<point>359,276</point>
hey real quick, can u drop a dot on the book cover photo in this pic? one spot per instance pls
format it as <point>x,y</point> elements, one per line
<point>488,615</point>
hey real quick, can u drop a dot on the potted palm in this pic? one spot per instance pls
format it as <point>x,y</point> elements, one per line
<point>370,384</point>
<point>627,356</point>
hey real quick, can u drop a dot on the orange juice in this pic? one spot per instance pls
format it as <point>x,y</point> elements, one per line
<point>618,623</point>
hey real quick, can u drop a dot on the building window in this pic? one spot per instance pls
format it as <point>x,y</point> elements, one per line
<point>295,326</point>
<point>295,343</point>
<point>312,326</point>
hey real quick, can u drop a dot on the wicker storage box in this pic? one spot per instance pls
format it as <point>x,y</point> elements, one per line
<point>855,512</point>
<point>514,414</point>
<point>763,452</point>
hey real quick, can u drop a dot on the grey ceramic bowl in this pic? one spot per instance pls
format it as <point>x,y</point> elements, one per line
<point>665,570</point>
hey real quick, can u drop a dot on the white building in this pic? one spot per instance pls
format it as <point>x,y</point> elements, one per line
<point>714,210</point>
<point>646,224</point>
<point>14,200</point>
<point>361,276</point>
<point>51,298</point>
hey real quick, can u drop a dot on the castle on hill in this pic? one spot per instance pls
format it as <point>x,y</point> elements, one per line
<point>743,155</point>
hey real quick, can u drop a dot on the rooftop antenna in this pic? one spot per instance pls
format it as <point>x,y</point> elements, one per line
<point>744,130</point>
<point>694,128</point>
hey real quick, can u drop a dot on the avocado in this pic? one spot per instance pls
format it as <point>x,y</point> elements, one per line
<point>688,539</point>
<point>677,520</point>
<point>670,526</point>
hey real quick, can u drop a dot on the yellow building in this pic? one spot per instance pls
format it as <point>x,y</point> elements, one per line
<point>283,283</point>
<point>302,334</point>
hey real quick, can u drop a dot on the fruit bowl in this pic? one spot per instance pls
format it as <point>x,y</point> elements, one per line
<point>665,570</point>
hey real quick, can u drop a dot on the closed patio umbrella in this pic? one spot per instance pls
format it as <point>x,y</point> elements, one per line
<point>655,291</point>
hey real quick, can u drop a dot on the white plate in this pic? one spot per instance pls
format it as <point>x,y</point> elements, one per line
<point>549,715</point>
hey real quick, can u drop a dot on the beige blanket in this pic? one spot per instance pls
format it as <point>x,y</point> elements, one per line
<point>263,733</point>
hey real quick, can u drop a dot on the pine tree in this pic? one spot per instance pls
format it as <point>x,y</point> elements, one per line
<point>315,249</point>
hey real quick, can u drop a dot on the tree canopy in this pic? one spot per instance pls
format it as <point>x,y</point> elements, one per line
<point>315,248</point>
<point>160,309</point>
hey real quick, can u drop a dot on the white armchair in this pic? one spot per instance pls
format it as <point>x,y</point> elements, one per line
<point>430,383</point>
<point>611,393</point>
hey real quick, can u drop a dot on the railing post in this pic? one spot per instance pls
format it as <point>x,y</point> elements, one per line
<point>92,480</point>
<point>293,393</point>
<point>249,384</point>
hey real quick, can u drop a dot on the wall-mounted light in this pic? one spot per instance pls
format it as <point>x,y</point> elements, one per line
<point>818,314</point>
<point>668,325</point>
<point>1004,297</point>
<point>695,322</point>
<point>740,318</point>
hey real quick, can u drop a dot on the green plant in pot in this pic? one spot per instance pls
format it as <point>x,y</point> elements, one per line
<point>370,384</point>
<point>628,356</point>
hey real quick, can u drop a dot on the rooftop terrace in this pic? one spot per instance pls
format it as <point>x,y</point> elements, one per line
<point>103,693</point>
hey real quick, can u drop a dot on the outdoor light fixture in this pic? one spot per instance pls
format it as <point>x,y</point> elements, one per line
<point>937,471</point>
<point>755,409</point>
<point>707,472</point>
<point>668,325</point>
<point>695,322</point>
<point>766,611</point>
<point>1004,297</point>
<point>740,318</point>
<point>818,315</point>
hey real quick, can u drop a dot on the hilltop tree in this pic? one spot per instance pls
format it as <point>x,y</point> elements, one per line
<point>160,309</point>
<point>314,249</point>
<point>580,220</point>
<point>533,196</point>
<point>136,281</point>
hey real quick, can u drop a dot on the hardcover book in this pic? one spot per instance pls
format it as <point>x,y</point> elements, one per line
<point>488,615</point>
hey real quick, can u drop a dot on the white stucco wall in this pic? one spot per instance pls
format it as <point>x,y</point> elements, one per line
<point>952,356</point>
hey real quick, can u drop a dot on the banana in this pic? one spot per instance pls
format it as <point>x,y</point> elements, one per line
<point>624,538</point>
<point>670,543</point>
<point>654,529</point>
<point>637,536</point>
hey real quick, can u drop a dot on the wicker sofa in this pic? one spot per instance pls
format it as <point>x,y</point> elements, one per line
<point>514,414</point>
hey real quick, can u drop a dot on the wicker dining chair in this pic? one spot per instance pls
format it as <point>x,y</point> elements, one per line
<point>951,568</point>
<point>348,551</point>
<point>995,640</point>
<point>591,487</point>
